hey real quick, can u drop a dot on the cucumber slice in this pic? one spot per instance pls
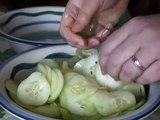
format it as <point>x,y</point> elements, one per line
<point>49,110</point>
<point>57,83</point>
<point>34,90</point>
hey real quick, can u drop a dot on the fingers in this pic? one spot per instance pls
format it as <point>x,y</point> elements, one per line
<point>112,42</point>
<point>67,21</point>
<point>86,12</point>
<point>116,57</point>
<point>114,13</point>
<point>138,38</point>
<point>103,33</point>
<point>151,74</point>
<point>72,38</point>
<point>119,56</point>
<point>108,18</point>
<point>78,15</point>
<point>130,72</point>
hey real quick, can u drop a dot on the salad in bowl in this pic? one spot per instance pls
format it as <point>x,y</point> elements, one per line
<point>62,82</point>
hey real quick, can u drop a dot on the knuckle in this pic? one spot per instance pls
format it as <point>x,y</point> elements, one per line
<point>148,30</point>
<point>135,20</point>
<point>83,19</point>
<point>114,61</point>
<point>127,72</point>
<point>126,75</point>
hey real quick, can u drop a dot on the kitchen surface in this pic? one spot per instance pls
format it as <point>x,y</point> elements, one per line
<point>6,51</point>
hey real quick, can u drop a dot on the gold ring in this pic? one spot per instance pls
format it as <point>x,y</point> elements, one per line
<point>137,63</point>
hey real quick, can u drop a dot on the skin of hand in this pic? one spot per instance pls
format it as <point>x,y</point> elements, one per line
<point>140,37</point>
<point>79,13</point>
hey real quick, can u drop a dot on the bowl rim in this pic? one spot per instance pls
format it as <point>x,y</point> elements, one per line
<point>11,38</point>
<point>140,115</point>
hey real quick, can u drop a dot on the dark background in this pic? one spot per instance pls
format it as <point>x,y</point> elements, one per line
<point>6,5</point>
<point>136,7</point>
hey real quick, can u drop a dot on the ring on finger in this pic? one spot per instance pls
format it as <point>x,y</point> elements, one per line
<point>137,63</point>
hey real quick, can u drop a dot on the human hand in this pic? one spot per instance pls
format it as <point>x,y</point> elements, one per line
<point>139,37</point>
<point>79,13</point>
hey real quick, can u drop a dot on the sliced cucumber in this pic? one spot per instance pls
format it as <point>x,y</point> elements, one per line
<point>34,90</point>
<point>57,83</point>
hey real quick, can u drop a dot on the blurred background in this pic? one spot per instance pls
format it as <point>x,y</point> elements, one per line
<point>16,4</point>
<point>136,7</point>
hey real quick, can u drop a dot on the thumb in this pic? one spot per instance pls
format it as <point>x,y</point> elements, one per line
<point>86,12</point>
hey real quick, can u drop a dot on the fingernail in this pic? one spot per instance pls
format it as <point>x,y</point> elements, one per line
<point>93,42</point>
<point>142,81</point>
<point>80,44</point>
<point>105,32</point>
